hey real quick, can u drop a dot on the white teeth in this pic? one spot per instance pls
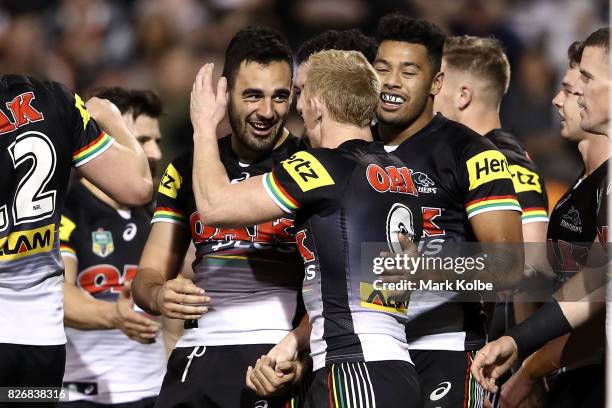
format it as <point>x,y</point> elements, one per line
<point>260,126</point>
<point>392,98</point>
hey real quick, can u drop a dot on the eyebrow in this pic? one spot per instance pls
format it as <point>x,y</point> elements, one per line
<point>403,64</point>
<point>586,73</point>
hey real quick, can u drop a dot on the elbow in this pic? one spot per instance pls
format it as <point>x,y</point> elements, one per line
<point>137,194</point>
<point>213,214</point>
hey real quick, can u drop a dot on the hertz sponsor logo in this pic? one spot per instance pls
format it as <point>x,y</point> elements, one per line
<point>80,105</point>
<point>170,182</point>
<point>307,171</point>
<point>487,166</point>
<point>524,179</point>
<point>20,244</point>
<point>372,298</point>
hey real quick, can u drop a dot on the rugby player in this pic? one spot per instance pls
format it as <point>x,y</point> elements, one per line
<point>464,197</point>
<point>113,354</point>
<point>244,295</point>
<point>555,318</point>
<point>264,378</point>
<point>345,192</point>
<point>571,242</point>
<point>45,131</point>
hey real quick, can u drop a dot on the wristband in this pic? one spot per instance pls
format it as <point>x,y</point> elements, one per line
<point>545,324</point>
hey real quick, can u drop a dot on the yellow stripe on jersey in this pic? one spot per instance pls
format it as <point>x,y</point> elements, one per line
<point>20,244</point>
<point>93,149</point>
<point>487,166</point>
<point>492,203</point>
<point>170,182</point>
<point>307,171</point>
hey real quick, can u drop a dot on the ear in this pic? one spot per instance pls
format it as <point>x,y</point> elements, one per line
<point>318,108</point>
<point>436,84</point>
<point>464,98</point>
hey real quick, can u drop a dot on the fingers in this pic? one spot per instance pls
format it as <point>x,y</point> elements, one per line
<point>178,311</point>
<point>266,380</point>
<point>248,381</point>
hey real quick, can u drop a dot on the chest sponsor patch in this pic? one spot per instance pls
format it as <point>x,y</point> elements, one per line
<point>307,171</point>
<point>487,166</point>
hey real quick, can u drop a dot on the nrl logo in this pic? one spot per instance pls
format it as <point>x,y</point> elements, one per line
<point>424,183</point>
<point>102,243</point>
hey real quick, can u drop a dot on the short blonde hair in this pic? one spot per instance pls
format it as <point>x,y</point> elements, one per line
<point>346,83</point>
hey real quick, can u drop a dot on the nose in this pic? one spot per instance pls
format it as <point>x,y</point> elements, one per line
<point>558,99</point>
<point>152,150</point>
<point>392,80</point>
<point>266,110</point>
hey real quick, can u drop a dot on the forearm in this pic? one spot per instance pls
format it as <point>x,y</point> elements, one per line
<point>145,290</point>
<point>83,312</point>
<point>210,180</point>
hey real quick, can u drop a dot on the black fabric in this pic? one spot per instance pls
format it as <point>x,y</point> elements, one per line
<point>143,403</point>
<point>452,169</point>
<point>583,387</point>
<point>31,366</point>
<point>547,323</point>
<point>373,383</point>
<point>445,379</point>
<point>216,379</point>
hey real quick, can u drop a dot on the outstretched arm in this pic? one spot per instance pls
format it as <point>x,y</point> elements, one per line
<point>220,203</point>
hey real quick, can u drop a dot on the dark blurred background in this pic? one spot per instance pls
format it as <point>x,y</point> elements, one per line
<point>160,44</point>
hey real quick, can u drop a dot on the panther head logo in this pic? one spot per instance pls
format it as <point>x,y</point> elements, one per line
<point>573,216</point>
<point>422,179</point>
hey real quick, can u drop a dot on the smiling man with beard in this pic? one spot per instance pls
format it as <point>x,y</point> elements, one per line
<point>244,294</point>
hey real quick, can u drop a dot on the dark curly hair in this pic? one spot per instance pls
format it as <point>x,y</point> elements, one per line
<point>137,102</point>
<point>255,44</point>
<point>398,27</point>
<point>345,40</point>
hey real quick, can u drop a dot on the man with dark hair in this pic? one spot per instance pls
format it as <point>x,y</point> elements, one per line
<point>581,297</point>
<point>113,354</point>
<point>250,274</point>
<point>594,84</point>
<point>463,198</point>
<point>567,249</point>
<point>45,131</point>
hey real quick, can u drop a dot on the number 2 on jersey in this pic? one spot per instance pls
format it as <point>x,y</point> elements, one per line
<point>31,203</point>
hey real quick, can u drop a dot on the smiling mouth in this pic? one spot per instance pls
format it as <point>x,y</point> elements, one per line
<point>391,101</point>
<point>261,128</point>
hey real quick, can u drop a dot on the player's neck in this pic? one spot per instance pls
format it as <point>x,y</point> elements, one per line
<point>595,150</point>
<point>102,196</point>
<point>482,121</point>
<point>333,134</point>
<point>392,136</point>
<point>248,155</point>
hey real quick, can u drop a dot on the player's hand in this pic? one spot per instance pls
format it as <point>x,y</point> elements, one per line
<point>285,350</point>
<point>268,379</point>
<point>207,108</point>
<point>396,275</point>
<point>180,298</point>
<point>136,326</point>
<point>493,360</point>
<point>516,389</point>
<point>105,113</point>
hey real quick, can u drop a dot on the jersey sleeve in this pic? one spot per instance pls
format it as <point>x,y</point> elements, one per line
<point>306,180</point>
<point>488,183</point>
<point>88,140</point>
<point>68,231</point>
<point>602,214</point>
<point>171,195</point>
<point>530,193</point>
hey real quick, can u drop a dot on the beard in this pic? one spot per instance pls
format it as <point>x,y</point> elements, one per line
<point>240,128</point>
